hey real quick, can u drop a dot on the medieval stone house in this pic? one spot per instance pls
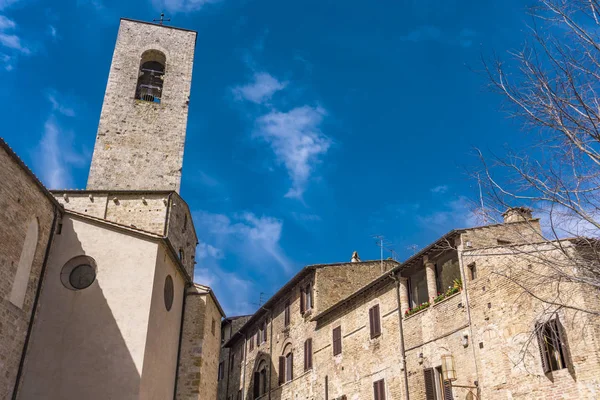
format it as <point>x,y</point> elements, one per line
<point>97,299</point>
<point>365,330</point>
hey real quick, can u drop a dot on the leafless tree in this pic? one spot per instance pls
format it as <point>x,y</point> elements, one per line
<point>552,85</point>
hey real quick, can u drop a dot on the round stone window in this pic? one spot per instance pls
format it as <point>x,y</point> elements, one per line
<point>169,292</point>
<point>78,273</point>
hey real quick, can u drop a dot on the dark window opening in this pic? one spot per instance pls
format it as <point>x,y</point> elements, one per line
<point>150,78</point>
<point>286,314</point>
<point>552,345</point>
<point>306,298</point>
<point>308,354</point>
<point>213,326</point>
<point>473,271</point>
<point>220,372</point>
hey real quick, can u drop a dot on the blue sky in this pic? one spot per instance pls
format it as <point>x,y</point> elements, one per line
<point>313,125</point>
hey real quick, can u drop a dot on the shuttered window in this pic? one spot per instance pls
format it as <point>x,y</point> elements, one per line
<point>302,301</point>
<point>379,390</point>
<point>289,367</point>
<point>429,384</point>
<point>251,343</point>
<point>552,345</point>
<point>307,354</point>
<point>281,370</point>
<point>306,298</point>
<point>286,314</point>
<point>220,372</point>
<point>375,321</point>
<point>337,341</point>
<point>258,338</point>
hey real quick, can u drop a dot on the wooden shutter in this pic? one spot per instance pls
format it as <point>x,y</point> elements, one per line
<point>337,341</point>
<point>429,384</point>
<point>251,343</point>
<point>256,388</point>
<point>307,354</point>
<point>448,391</point>
<point>310,293</point>
<point>562,339</point>
<point>281,370</point>
<point>374,321</point>
<point>258,338</point>
<point>542,347</point>
<point>302,300</point>
<point>291,366</point>
<point>379,390</point>
<point>287,314</point>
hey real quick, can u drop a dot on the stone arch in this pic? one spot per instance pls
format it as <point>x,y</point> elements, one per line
<point>151,73</point>
<point>19,287</point>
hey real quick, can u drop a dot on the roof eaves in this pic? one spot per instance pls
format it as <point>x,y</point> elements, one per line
<point>208,290</point>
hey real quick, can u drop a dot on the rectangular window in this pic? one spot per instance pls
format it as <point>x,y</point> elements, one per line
<point>418,288</point>
<point>307,354</point>
<point>258,338</point>
<point>231,361</point>
<point>306,298</point>
<point>430,392</point>
<point>281,370</point>
<point>443,388</point>
<point>256,386</point>
<point>220,372</point>
<point>264,332</point>
<point>289,367</point>
<point>472,271</point>
<point>286,314</point>
<point>213,326</point>
<point>375,321</point>
<point>337,341</point>
<point>239,395</point>
<point>552,345</point>
<point>251,343</point>
<point>379,390</point>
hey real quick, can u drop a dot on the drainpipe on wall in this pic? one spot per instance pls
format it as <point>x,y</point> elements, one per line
<point>270,351</point>
<point>36,299</point>
<point>401,334</point>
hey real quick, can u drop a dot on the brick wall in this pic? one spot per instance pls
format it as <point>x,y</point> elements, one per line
<point>21,200</point>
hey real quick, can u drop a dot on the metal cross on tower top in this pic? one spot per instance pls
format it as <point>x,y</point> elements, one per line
<point>162,19</point>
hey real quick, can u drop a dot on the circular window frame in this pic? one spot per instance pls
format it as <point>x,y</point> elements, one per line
<point>169,292</point>
<point>71,265</point>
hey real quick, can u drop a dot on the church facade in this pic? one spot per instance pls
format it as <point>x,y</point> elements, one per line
<point>98,299</point>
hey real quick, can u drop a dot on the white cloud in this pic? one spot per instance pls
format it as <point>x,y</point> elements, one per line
<point>175,6</point>
<point>6,24</point>
<point>297,141</point>
<point>456,214</point>
<point>11,42</point>
<point>205,250</point>
<point>431,33</point>
<point>234,293</point>
<point>260,90</point>
<point>441,189</point>
<point>52,31</point>
<point>255,239</point>
<point>561,222</point>
<point>57,105</point>
<point>55,153</point>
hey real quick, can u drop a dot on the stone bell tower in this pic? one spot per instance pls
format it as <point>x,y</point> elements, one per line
<point>141,135</point>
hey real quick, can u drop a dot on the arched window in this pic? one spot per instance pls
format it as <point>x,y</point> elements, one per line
<point>286,365</point>
<point>19,287</point>
<point>150,77</point>
<point>260,380</point>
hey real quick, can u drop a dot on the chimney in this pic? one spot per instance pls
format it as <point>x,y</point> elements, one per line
<point>517,214</point>
<point>355,257</point>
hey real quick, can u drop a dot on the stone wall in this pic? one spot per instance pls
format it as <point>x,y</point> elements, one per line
<point>200,346</point>
<point>22,202</point>
<point>181,232</point>
<point>140,144</point>
<point>232,379</point>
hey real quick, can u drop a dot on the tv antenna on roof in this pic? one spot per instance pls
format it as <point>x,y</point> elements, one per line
<point>382,242</point>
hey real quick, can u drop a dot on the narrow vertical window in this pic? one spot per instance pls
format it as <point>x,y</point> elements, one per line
<point>302,301</point>
<point>286,314</point>
<point>281,370</point>
<point>150,77</point>
<point>289,367</point>
<point>213,326</point>
<point>231,361</point>
<point>239,395</point>
<point>220,372</point>
<point>251,343</point>
<point>256,386</point>
<point>309,297</point>
<point>181,255</point>
<point>379,390</point>
<point>375,321</point>
<point>472,271</point>
<point>308,354</point>
<point>430,392</point>
<point>21,280</point>
<point>337,341</point>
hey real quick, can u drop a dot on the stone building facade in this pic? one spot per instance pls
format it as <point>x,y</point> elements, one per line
<point>98,300</point>
<point>388,336</point>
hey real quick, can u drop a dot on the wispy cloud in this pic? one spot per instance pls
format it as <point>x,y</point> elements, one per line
<point>455,214</point>
<point>297,141</point>
<point>175,6</point>
<point>441,189</point>
<point>52,31</point>
<point>234,293</point>
<point>260,90</point>
<point>7,3</point>
<point>11,45</point>
<point>431,33</point>
<point>255,238</point>
<point>55,153</point>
